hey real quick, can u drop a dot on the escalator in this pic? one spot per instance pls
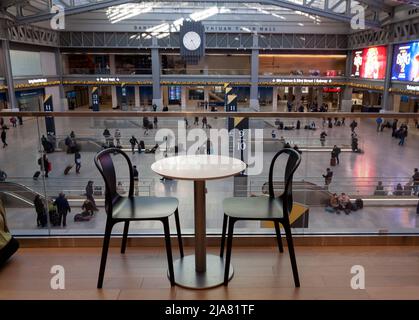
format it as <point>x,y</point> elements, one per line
<point>16,195</point>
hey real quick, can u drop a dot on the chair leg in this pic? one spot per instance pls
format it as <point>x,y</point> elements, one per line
<point>179,233</point>
<point>124,237</point>
<point>169,251</point>
<point>292,254</point>
<point>229,247</point>
<point>278,236</point>
<point>105,247</point>
<point>223,235</point>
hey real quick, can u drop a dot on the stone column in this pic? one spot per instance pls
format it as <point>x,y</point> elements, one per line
<point>112,66</point>
<point>183,97</point>
<point>114,97</point>
<point>8,74</point>
<point>254,75</point>
<point>137,97</point>
<point>346,99</point>
<point>63,103</point>
<point>275,98</point>
<point>155,70</point>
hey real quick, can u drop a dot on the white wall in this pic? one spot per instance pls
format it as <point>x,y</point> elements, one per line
<point>25,63</point>
<point>48,66</point>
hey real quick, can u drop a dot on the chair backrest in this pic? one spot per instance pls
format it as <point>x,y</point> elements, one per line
<point>293,161</point>
<point>104,163</point>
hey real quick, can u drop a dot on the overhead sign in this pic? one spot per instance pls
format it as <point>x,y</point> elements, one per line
<point>369,63</point>
<point>100,79</point>
<point>95,99</point>
<point>301,81</point>
<point>412,88</point>
<point>405,65</point>
<point>49,121</point>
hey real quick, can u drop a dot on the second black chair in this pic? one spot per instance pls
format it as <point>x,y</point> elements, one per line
<point>275,209</point>
<point>133,208</point>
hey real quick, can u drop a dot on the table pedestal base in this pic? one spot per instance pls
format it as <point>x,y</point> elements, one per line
<point>187,277</point>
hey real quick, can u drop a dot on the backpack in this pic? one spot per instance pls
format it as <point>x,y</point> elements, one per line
<point>359,203</point>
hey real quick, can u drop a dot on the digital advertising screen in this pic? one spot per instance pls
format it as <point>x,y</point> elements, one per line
<point>406,62</point>
<point>369,63</point>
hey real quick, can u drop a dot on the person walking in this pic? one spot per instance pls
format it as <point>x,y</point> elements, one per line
<point>186,122</point>
<point>353,125</point>
<point>323,136</point>
<point>133,141</point>
<point>204,123</point>
<point>196,121</point>
<point>108,137</point>
<point>3,137</point>
<point>328,177</point>
<point>44,165</point>
<point>13,122</point>
<point>63,208</point>
<point>379,122</point>
<point>41,217</point>
<point>89,193</point>
<point>336,152</point>
<point>77,161</point>
<point>117,136</point>
<point>402,136</point>
<point>155,122</point>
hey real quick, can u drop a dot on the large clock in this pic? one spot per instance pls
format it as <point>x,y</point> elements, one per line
<point>192,41</point>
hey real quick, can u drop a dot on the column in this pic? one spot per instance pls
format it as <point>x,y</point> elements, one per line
<point>298,94</point>
<point>183,98</point>
<point>275,98</point>
<point>254,75</point>
<point>8,74</point>
<point>385,103</point>
<point>63,103</point>
<point>396,102</point>
<point>206,93</point>
<point>137,97</point>
<point>112,66</point>
<point>90,96</point>
<point>319,97</point>
<point>346,99</point>
<point>155,70</point>
<point>114,97</point>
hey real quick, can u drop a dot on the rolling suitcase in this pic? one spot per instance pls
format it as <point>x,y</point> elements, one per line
<point>332,162</point>
<point>36,175</point>
<point>67,169</point>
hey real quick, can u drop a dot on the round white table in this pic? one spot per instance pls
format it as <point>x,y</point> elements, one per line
<point>201,270</point>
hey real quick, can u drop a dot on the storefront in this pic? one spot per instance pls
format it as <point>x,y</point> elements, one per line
<point>30,100</point>
<point>77,97</point>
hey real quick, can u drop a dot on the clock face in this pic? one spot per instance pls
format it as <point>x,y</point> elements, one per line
<point>191,40</point>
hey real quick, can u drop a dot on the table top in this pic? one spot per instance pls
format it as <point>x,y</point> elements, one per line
<point>198,167</point>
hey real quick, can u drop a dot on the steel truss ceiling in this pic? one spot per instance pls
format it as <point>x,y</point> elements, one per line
<point>376,11</point>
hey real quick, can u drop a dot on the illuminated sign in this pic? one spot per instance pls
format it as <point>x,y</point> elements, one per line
<point>406,62</point>
<point>33,81</point>
<point>412,88</point>
<point>301,81</point>
<point>107,79</point>
<point>369,63</point>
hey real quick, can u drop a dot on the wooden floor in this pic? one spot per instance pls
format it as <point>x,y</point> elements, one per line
<point>260,273</point>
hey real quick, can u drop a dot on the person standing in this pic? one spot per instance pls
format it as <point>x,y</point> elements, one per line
<point>328,177</point>
<point>204,123</point>
<point>135,176</point>
<point>3,137</point>
<point>155,122</point>
<point>118,138</point>
<point>63,208</point>
<point>41,218</point>
<point>89,193</point>
<point>44,165</point>
<point>336,152</point>
<point>77,161</point>
<point>107,136</point>
<point>394,127</point>
<point>196,121</point>
<point>133,141</point>
<point>415,179</point>
<point>13,122</point>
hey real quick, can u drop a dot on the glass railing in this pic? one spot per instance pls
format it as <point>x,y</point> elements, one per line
<point>378,170</point>
<point>193,71</point>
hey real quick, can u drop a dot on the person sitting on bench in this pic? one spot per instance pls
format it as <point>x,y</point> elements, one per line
<point>8,244</point>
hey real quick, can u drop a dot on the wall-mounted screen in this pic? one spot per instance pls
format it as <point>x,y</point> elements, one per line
<point>369,63</point>
<point>406,62</point>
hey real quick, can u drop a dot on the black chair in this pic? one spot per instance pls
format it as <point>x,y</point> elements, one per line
<point>133,208</point>
<point>276,209</point>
